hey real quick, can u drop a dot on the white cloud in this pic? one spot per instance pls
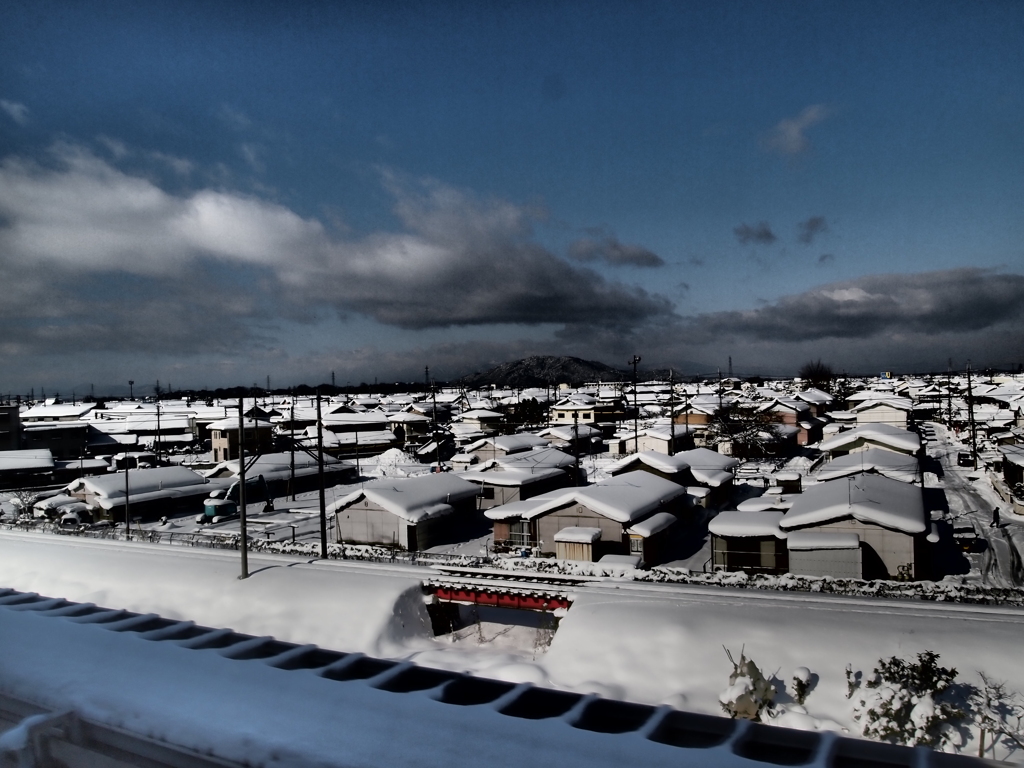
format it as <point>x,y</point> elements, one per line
<point>789,137</point>
<point>16,111</point>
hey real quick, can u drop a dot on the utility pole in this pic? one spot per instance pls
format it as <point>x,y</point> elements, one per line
<point>320,477</point>
<point>576,443</point>
<point>671,414</point>
<point>131,389</point>
<point>244,543</point>
<point>127,501</point>
<point>970,417</point>
<point>636,410</point>
<point>949,395</point>
<point>157,442</point>
<point>291,482</point>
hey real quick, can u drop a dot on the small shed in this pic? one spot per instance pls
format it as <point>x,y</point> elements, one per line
<point>749,541</point>
<point>576,543</point>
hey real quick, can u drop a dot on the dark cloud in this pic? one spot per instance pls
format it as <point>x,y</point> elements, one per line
<point>826,258</point>
<point>929,303</point>
<point>610,250</point>
<point>94,258</point>
<point>759,234</point>
<point>811,228</point>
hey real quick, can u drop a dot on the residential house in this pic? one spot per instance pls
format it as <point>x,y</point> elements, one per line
<point>413,513</point>
<point>612,506</point>
<point>878,435</point>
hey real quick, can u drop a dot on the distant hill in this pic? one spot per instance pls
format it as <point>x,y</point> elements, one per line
<point>541,371</point>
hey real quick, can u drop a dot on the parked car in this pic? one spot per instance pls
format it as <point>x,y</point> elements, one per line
<point>965,459</point>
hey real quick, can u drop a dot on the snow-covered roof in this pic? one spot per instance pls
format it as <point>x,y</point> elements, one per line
<point>61,411</point>
<point>743,524</point>
<point>898,466</point>
<point>230,424</point>
<point>570,432</point>
<point>510,477</point>
<point>768,501</point>
<point>143,485</point>
<point>509,443</point>
<point>578,535</point>
<point>867,498</point>
<point>412,498</point>
<point>805,540</point>
<point>274,465</point>
<point>659,461</point>
<point>656,523</point>
<point>625,499</point>
<point>883,434</point>
<point>899,403</point>
<point>480,413</point>
<point>32,458</point>
<point>1013,454</point>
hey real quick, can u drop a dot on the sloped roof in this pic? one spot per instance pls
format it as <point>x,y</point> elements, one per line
<point>744,523</point>
<point>412,498</point>
<point>898,466</point>
<point>509,443</point>
<point>625,499</point>
<point>883,434</point>
<point>659,461</point>
<point>867,498</point>
<point>143,485</point>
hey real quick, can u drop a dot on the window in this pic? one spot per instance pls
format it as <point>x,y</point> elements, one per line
<point>487,492</point>
<point>519,533</point>
<point>636,545</point>
<point>586,415</point>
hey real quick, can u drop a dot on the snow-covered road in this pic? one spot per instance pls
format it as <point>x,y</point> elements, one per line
<point>971,496</point>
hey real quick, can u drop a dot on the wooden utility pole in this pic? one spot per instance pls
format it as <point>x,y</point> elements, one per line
<point>291,481</point>
<point>320,477</point>
<point>127,501</point>
<point>244,544</point>
<point>636,408</point>
<point>671,414</point>
<point>970,417</point>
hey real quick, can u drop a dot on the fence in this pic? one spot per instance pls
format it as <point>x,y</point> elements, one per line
<point>360,552</point>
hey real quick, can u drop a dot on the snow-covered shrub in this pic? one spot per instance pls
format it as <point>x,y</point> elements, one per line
<point>909,702</point>
<point>801,684</point>
<point>749,693</point>
<point>998,714</point>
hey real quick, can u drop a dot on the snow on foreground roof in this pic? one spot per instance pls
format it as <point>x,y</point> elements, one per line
<point>620,640</point>
<point>886,434</point>
<point>625,499</point>
<point>898,466</point>
<point>252,714</point>
<point>867,498</point>
<point>509,443</point>
<point>629,645</point>
<point>301,603</point>
<point>412,498</point>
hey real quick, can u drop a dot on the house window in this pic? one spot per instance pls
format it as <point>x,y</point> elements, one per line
<point>636,545</point>
<point>586,416</point>
<point>487,492</point>
<point>519,533</point>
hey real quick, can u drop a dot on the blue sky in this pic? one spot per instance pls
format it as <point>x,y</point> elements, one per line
<point>210,193</point>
